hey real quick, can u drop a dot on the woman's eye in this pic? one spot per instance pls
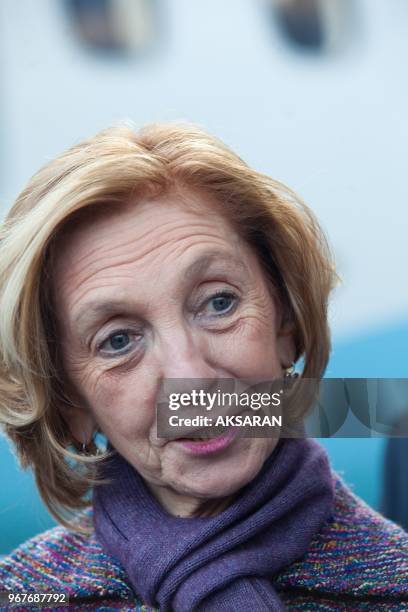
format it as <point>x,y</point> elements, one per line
<point>117,343</point>
<point>220,304</point>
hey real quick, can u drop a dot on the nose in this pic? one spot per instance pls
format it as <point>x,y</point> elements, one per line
<point>184,356</point>
<point>188,366</point>
<point>185,363</point>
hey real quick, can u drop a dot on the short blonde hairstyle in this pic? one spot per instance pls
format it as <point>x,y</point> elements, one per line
<point>105,170</point>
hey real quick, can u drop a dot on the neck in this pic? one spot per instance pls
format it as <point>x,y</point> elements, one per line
<point>185,506</point>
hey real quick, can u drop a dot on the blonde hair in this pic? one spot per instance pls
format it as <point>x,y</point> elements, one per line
<point>105,170</point>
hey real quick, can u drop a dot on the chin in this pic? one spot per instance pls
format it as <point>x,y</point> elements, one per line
<point>217,481</point>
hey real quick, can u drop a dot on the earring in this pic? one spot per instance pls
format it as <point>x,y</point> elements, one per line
<point>290,372</point>
<point>289,377</point>
<point>87,449</point>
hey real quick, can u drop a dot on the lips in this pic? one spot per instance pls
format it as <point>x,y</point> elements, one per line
<point>207,446</point>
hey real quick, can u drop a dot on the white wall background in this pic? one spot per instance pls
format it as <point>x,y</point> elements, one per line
<point>334,128</point>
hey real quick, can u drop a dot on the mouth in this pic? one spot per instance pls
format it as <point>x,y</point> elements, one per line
<point>195,436</point>
<point>209,444</point>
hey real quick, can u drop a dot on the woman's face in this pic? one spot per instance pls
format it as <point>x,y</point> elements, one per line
<point>137,293</point>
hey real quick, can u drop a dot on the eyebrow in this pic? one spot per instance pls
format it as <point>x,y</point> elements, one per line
<point>94,310</point>
<point>200,265</point>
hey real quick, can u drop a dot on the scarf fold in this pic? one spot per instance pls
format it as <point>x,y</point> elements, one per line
<point>221,562</point>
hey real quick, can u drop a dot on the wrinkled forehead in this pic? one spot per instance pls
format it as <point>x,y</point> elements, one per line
<point>139,234</point>
<point>101,215</point>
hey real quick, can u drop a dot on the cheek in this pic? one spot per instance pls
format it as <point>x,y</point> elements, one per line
<point>124,405</point>
<point>250,348</point>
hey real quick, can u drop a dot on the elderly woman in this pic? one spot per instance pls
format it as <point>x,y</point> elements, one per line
<point>132,259</point>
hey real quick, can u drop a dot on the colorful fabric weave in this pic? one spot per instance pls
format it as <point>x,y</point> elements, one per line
<point>358,561</point>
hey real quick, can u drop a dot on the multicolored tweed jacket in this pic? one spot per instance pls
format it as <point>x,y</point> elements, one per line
<point>358,561</point>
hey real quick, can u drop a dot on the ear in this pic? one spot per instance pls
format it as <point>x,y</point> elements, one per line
<point>286,345</point>
<point>285,336</point>
<point>75,412</point>
<point>81,423</point>
<point>78,418</point>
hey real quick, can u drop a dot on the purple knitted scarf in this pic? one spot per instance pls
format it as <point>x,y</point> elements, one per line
<point>223,562</point>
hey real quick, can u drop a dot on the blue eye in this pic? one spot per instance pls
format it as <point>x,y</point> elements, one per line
<point>118,343</point>
<point>221,303</point>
